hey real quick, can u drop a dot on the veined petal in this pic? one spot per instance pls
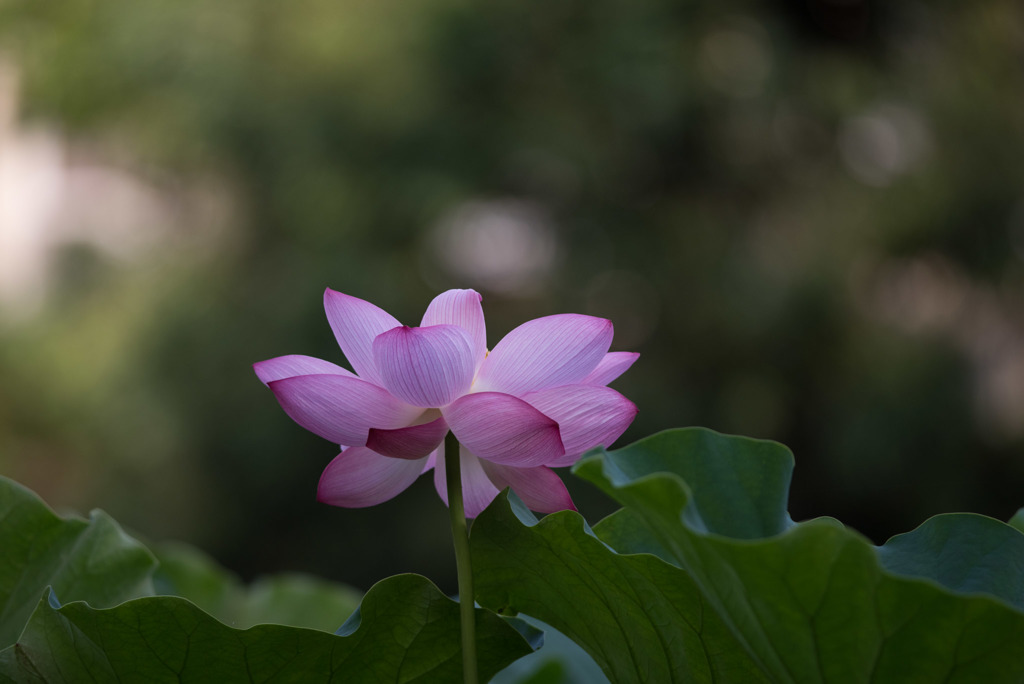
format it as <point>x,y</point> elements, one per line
<point>359,477</point>
<point>545,352</point>
<point>610,367</point>
<point>588,416</point>
<point>426,367</point>
<point>356,323</point>
<point>432,458</point>
<point>541,489</point>
<point>461,308</point>
<point>504,429</point>
<point>295,364</point>
<point>477,489</point>
<point>413,442</point>
<point>341,408</point>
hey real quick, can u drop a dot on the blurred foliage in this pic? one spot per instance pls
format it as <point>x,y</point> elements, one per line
<point>294,599</point>
<point>807,216</point>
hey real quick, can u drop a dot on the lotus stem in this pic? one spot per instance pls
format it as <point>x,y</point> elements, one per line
<point>460,536</point>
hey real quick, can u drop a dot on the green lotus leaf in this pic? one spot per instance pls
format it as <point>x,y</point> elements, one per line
<point>702,576</point>
<point>406,631</point>
<point>82,560</point>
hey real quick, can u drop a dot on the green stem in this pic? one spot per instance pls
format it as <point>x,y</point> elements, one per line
<point>460,535</point>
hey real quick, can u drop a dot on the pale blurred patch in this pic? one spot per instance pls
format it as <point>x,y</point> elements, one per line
<point>928,295</point>
<point>506,246</point>
<point>884,143</point>
<point>55,193</point>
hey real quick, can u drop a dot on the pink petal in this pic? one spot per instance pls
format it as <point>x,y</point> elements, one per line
<point>545,352</point>
<point>461,308</point>
<point>356,323</point>
<point>295,364</point>
<point>426,367</point>
<point>611,366</point>
<point>504,429</point>
<point>359,477</point>
<point>540,488</point>
<point>341,408</point>
<point>477,489</point>
<point>432,459</point>
<point>413,442</point>
<point>587,416</point>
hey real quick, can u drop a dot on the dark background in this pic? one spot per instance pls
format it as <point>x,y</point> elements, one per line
<point>807,216</point>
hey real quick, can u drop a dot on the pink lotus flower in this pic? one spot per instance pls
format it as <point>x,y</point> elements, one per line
<point>538,400</point>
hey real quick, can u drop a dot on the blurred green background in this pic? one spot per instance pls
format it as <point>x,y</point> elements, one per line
<point>807,216</point>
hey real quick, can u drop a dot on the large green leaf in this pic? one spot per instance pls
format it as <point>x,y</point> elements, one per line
<point>703,577</point>
<point>83,560</point>
<point>964,552</point>
<point>288,599</point>
<point>405,631</point>
<point>641,619</point>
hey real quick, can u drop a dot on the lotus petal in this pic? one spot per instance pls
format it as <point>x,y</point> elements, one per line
<point>545,352</point>
<point>610,367</point>
<point>477,489</point>
<point>541,489</point>
<point>504,429</point>
<point>413,442</point>
<point>587,415</point>
<point>295,364</point>
<point>426,367</point>
<point>359,477</point>
<point>341,408</point>
<point>356,323</point>
<point>461,308</point>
